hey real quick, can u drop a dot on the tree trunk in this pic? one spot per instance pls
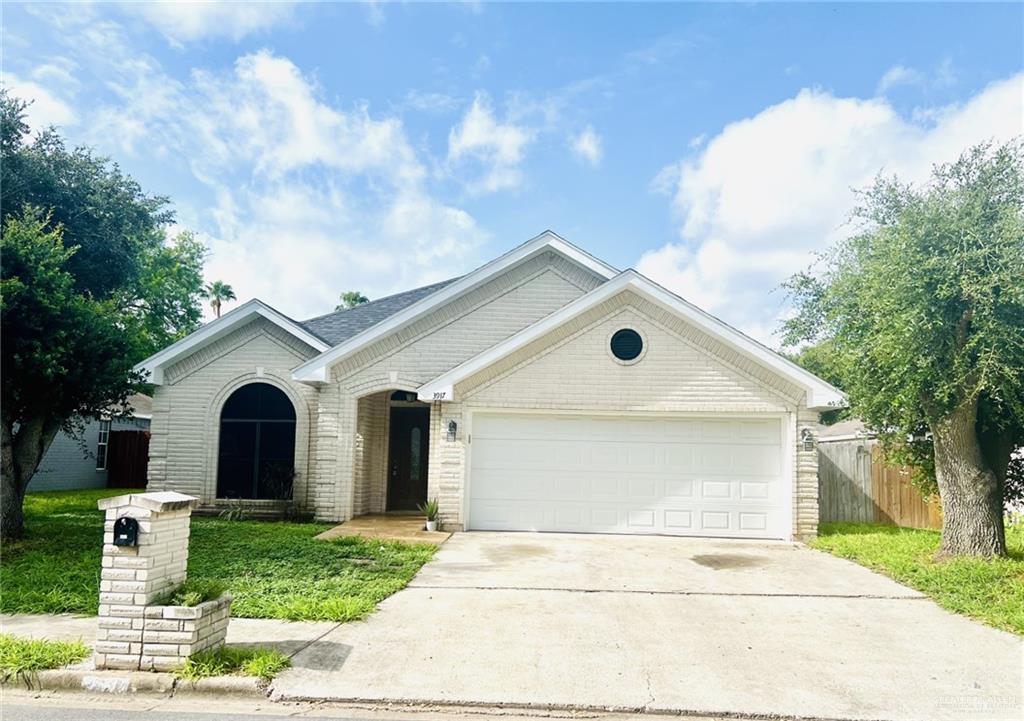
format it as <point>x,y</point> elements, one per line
<point>20,454</point>
<point>972,503</point>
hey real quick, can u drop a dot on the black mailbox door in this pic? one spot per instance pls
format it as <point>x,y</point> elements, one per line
<point>126,532</point>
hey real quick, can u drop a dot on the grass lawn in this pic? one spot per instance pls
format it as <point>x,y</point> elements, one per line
<point>22,657</point>
<point>263,663</point>
<point>274,570</point>
<point>990,591</point>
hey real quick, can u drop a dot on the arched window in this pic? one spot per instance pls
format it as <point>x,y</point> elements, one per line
<point>257,444</point>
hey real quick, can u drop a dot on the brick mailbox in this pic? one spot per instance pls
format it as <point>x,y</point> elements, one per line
<point>145,556</point>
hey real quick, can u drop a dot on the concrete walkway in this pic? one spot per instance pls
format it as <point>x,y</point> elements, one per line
<point>286,636</point>
<point>664,624</point>
<point>405,527</point>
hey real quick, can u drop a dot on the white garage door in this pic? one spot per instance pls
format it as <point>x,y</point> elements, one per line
<point>679,476</point>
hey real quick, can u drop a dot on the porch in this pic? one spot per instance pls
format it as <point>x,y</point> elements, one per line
<point>406,527</point>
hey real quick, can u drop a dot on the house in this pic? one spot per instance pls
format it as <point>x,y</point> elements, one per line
<point>107,453</point>
<point>543,391</point>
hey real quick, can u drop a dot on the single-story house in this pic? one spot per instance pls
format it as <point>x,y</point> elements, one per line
<point>76,461</point>
<point>543,391</point>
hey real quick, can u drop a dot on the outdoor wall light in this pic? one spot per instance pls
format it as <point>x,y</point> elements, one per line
<point>453,428</point>
<point>807,436</point>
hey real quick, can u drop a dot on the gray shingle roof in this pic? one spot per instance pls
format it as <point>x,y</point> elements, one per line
<point>341,325</point>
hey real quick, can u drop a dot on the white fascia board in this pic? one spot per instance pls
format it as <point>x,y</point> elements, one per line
<point>153,367</point>
<point>819,393</point>
<point>315,370</point>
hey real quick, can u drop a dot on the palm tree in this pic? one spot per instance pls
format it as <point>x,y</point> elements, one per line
<point>218,291</point>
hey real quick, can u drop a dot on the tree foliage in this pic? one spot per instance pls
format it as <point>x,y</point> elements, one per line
<point>217,293</point>
<point>350,299</point>
<point>90,287</point>
<point>922,309</point>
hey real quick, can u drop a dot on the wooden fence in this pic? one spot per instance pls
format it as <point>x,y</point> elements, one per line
<point>854,484</point>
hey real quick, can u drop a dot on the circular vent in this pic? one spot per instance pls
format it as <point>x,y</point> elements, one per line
<point>627,344</point>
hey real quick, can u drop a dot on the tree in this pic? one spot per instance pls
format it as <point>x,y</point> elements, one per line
<point>89,286</point>
<point>924,310</point>
<point>350,299</point>
<point>217,292</point>
<point>820,359</point>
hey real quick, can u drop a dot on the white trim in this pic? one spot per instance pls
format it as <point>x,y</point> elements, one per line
<point>154,366</point>
<point>848,437</point>
<point>788,421</point>
<point>315,370</point>
<point>820,395</point>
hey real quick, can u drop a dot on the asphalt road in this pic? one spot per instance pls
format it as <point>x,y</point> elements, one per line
<point>52,713</point>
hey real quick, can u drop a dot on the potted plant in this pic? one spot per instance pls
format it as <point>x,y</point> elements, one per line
<point>429,509</point>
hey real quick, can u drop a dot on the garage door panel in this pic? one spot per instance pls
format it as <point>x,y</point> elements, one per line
<point>719,477</point>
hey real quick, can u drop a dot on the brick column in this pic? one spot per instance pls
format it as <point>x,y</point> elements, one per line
<point>134,577</point>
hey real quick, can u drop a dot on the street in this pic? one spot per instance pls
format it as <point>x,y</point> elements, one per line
<point>18,704</point>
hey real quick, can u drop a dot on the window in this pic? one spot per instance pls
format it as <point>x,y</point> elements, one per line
<point>256,457</point>
<point>627,345</point>
<point>102,442</point>
<point>414,454</point>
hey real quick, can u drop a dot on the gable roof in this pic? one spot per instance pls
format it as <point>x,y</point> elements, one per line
<point>153,367</point>
<point>341,325</point>
<point>315,370</point>
<point>819,393</point>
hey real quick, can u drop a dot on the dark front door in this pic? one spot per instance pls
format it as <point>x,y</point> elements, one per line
<point>407,458</point>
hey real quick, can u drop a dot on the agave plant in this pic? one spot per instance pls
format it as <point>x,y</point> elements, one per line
<point>429,509</point>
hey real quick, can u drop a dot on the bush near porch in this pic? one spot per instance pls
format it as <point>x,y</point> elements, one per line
<point>991,591</point>
<point>273,570</point>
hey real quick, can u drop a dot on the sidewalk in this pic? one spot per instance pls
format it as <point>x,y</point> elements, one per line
<point>288,637</point>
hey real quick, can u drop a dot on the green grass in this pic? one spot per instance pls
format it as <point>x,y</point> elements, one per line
<point>991,591</point>
<point>193,592</point>
<point>22,657</point>
<point>263,663</point>
<point>273,570</point>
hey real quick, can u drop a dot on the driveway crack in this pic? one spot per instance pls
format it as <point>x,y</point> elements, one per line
<point>649,592</point>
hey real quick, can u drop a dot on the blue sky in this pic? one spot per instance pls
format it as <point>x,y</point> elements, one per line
<point>325,147</point>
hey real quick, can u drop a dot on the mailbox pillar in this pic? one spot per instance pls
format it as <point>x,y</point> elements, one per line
<point>135,576</point>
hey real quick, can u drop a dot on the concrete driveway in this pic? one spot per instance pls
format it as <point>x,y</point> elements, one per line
<point>664,624</point>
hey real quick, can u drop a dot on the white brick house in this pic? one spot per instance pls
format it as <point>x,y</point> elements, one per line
<point>543,391</point>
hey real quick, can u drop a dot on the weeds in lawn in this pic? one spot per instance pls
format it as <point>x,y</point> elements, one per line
<point>23,657</point>
<point>263,663</point>
<point>193,592</point>
<point>273,569</point>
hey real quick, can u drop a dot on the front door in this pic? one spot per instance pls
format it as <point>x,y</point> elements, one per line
<point>407,458</point>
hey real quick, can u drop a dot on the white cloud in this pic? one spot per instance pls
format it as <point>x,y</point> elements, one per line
<point>587,147</point>
<point>45,107</point>
<point>184,21</point>
<point>306,198</point>
<point>329,198</point>
<point>768,191</point>
<point>898,75</point>
<point>375,12</point>
<point>496,147</point>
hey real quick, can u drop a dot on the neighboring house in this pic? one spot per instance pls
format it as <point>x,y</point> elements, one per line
<point>544,391</point>
<point>74,462</point>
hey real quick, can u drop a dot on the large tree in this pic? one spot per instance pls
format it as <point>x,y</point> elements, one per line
<point>90,286</point>
<point>923,312</point>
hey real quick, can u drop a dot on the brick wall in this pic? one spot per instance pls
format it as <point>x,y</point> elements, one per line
<point>682,370</point>
<point>186,410</point>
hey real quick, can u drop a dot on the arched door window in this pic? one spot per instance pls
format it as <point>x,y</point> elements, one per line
<point>257,444</point>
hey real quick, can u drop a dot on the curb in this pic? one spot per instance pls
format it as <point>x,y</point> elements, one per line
<point>138,682</point>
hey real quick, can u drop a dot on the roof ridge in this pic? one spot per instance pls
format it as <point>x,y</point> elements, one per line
<point>378,300</point>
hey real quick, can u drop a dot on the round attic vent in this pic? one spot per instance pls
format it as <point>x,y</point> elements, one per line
<point>627,345</point>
